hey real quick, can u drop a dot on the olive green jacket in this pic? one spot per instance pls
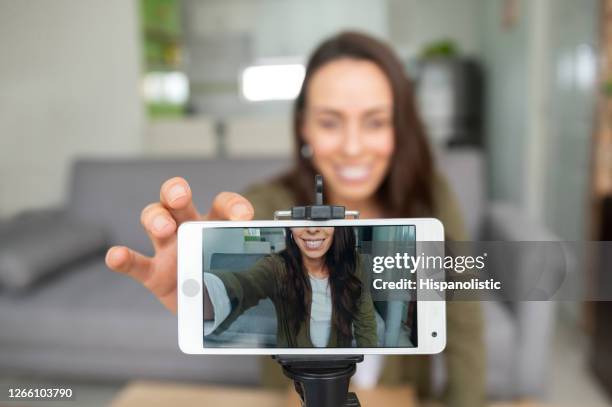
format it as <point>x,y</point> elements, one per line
<point>265,280</point>
<point>464,354</point>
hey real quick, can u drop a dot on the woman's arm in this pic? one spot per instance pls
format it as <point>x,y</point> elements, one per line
<point>244,289</point>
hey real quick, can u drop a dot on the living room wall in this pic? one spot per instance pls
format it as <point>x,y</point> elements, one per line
<point>70,76</point>
<point>541,75</point>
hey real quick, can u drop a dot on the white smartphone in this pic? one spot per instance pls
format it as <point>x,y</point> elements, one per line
<point>307,287</point>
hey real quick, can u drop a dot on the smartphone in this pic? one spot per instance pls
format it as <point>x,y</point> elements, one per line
<point>307,287</point>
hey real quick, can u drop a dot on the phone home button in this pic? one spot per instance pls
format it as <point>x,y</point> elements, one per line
<point>191,287</point>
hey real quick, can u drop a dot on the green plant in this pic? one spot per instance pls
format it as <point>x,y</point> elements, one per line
<point>440,48</point>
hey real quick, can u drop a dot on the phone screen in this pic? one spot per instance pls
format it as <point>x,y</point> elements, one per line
<point>308,287</point>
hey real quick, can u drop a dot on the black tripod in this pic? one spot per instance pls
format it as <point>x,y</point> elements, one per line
<point>321,381</point>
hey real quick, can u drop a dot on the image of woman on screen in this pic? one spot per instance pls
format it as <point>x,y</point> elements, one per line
<point>315,284</point>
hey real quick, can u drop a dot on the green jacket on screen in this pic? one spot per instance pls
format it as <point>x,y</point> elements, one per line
<point>265,280</point>
<point>464,353</point>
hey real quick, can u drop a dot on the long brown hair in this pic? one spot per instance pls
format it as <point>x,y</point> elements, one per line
<point>341,261</point>
<point>407,187</point>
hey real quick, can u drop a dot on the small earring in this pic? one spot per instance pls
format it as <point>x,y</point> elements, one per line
<point>306,151</point>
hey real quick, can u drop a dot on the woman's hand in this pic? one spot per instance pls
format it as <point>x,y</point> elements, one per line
<point>161,221</point>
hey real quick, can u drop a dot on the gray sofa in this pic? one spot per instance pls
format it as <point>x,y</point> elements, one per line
<point>89,323</point>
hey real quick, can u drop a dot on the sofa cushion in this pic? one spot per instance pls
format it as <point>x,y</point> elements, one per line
<point>91,322</point>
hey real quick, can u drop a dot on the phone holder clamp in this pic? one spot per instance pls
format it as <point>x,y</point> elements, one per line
<point>318,211</point>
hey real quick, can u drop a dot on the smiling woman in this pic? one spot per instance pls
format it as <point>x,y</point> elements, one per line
<point>356,116</point>
<point>355,122</point>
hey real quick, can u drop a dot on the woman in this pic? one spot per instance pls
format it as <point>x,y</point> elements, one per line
<point>315,285</point>
<point>355,122</point>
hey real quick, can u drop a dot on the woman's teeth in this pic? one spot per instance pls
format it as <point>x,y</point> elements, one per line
<point>313,244</point>
<point>354,173</point>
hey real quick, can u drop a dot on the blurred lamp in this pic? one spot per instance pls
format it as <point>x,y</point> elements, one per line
<point>272,82</point>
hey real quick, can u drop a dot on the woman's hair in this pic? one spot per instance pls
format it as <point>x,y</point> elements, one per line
<point>407,188</point>
<point>341,261</point>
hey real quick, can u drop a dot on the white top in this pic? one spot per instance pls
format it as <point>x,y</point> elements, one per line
<point>320,312</point>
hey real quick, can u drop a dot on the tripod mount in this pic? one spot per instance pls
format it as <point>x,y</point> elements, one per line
<point>320,380</point>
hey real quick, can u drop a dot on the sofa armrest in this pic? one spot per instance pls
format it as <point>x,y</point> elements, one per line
<point>37,244</point>
<point>507,222</point>
<point>528,267</point>
<point>27,220</point>
<point>534,320</point>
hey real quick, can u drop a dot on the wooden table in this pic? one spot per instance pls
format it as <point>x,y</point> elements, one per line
<point>162,394</point>
<point>158,394</point>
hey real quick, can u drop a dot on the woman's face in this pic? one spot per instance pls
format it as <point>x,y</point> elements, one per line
<point>313,242</point>
<point>348,122</point>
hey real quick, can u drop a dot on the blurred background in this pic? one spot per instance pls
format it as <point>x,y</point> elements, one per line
<point>101,100</point>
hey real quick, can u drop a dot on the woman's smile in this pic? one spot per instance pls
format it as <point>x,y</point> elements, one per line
<point>354,173</point>
<point>313,242</point>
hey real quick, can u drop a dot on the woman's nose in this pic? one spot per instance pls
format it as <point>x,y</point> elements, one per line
<point>353,143</point>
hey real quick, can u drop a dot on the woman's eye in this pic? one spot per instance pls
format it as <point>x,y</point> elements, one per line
<point>376,123</point>
<point>328,124</point>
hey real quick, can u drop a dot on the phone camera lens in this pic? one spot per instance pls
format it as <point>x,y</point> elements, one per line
<point>434,334</point>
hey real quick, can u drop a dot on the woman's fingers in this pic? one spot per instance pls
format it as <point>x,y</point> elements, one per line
<point>230,206</point>
<point>159,224</point>
<point>175,195</point>
<point>129,262</point>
